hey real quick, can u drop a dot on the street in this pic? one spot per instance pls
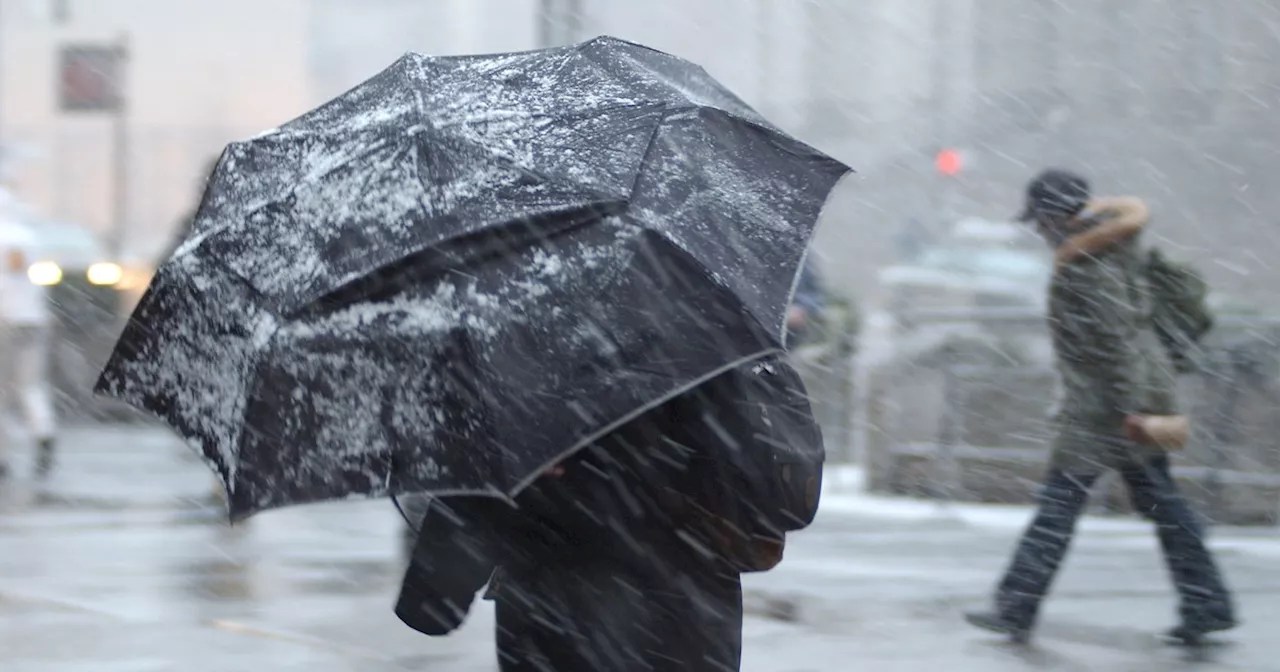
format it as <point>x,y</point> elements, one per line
<point>123,563</point>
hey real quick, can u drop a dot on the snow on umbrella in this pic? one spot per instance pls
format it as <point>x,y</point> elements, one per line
<point>466,268</point>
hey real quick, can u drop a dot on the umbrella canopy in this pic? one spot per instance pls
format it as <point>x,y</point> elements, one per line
<point>468,267</point>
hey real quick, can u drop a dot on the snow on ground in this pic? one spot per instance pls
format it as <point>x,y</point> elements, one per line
<point>844,493</point>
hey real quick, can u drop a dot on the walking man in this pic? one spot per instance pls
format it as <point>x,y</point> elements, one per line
<point>807,305</point>
<point>1119,393</point>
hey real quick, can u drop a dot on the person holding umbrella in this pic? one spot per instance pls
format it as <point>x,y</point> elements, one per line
<point>808,304</point>
<point>469,273</point>
<point>627,556</point>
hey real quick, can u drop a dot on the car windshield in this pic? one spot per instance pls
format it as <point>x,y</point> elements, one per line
<point>54,236</point>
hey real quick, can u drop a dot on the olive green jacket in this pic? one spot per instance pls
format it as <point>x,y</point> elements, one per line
<point>1109,358</point>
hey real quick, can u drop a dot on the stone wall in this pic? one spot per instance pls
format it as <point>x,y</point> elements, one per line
<point>982,433</point>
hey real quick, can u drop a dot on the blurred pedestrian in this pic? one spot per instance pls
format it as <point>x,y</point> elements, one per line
<point>808,304</point>
<point>25,335</point>
<point>626,557</point>
<point>911,240</point>
<point>1118,411</point>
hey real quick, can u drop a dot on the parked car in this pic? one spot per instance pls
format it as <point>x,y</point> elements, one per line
<point>979,267</point>
<point>980,264</point>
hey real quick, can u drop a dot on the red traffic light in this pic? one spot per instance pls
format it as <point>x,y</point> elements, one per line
<point>948,162</point>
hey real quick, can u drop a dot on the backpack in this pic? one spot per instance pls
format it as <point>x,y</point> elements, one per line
<point>768,470</point>
<point>1180,311</point>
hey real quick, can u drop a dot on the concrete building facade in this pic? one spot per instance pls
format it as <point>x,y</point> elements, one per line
<point>199,74</point>
<point>1171,99</point>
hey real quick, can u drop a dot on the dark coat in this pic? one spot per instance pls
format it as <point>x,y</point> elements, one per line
<point>631,558</point>
<point>588,573</point>
<point>1109,357</point>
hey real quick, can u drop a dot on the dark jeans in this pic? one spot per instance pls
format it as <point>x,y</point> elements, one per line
<point>1204,597</point>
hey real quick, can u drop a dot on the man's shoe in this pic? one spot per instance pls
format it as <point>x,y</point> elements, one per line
<point>994,622</point>
<point>1193,633</point>
<point>44,457</point>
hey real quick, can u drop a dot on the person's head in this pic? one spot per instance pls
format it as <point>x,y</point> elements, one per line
<point>1053,198</point>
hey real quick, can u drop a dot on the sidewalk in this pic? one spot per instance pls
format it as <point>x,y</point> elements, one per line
<point>121,564</point>
<point>887,573</point>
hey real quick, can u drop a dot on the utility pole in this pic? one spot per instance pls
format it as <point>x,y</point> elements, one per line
<point>120,148</point>
<point>92,81</point>
<point>942,182</point>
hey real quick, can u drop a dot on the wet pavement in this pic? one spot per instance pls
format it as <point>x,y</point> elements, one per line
<point>122,563</point>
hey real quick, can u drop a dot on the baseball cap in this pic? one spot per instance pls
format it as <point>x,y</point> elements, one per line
<point>1055,192</point>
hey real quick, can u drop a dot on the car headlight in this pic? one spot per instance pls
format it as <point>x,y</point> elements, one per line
<point>105,273</point>
<point>44,273</point>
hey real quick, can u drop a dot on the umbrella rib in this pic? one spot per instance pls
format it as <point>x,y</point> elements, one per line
<point>546,178</point>
<point>292,191</point>
<point>508,161</point>
<point>686,102</point>
<point>606,148</point>
<point>679,249</point>
<point>648,153</point>
<point>635,413</point>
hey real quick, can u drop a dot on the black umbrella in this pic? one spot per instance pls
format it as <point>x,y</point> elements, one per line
<point>466,268</point>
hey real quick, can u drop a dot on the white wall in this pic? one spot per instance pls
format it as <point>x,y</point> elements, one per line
<point>200,74</point>
<point>350,40</point>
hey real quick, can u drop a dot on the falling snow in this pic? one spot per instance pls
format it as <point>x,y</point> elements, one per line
<point>493,274</point>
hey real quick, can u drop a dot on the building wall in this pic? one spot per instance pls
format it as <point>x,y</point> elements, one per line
<point>1171,99</point>
<point>200,75</point>
<point>1164,98</point>
<point>350,41</point>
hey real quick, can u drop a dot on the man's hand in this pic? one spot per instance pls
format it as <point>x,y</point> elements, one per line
<point>1066,253</point>
<point>1169,432</point>
<point>1133,428</point>
<point>1107,221</point>
<point>797,317</point>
